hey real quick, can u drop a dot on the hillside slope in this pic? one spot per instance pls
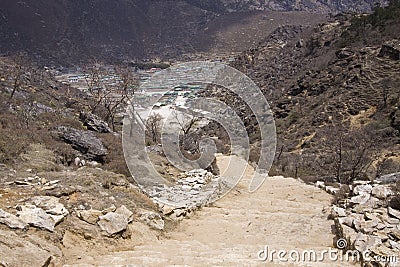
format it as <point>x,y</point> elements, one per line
<point>335,94</point>
<point>67,32</point>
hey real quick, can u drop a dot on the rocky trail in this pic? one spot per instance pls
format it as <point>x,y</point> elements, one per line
<point>284,214</point>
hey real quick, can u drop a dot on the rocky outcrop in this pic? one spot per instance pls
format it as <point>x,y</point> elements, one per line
<point>83,141</point>
<point>94,123</point>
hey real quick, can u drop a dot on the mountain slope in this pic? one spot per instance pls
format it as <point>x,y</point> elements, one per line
<point>331,6</point>
<point>335,94</point>
<point>69,31</point>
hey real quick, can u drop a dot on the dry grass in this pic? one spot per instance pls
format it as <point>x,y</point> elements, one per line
<point>115,160</point>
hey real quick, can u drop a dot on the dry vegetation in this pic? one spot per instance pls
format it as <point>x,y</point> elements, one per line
<point>33,104</point>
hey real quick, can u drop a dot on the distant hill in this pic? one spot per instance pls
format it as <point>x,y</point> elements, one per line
<point>317,6</point>
<point>61,31</point>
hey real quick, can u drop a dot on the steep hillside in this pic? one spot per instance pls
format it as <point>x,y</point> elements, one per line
<point>67,32</point>
<point>335,98</point>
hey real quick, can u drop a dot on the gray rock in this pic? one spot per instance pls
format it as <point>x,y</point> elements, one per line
<point>180,212</point>
<point>381,226</point>
<point>389,178</point>
<point>394,244</point>
<point>372,203</point>
<point>348,221</point>
<point>360,199</point>
<point>320,184</point>
<point>83,141</point>
<point>50,204</point>
<point>370,216</point>
<point>369,227</point>
<point>382,250</point>
<point>365,242</point>
<point>112,208</point>
<point>94,123</point>
<point>124,211</point>
<point>360,182</point>
<point>38,217</point>
<point>339,211</point>
<point>382,236</point>
<point>89,216</point>
<point>332,190</point>
<point>167,210</point>
<point>360,209</point>
<point>11,220</point>
<point>152,219</point>
<point>115,222</point>
<point>394,213</point>
<point>362,189</point>
<point>381,191</point>
<point>392,221</point>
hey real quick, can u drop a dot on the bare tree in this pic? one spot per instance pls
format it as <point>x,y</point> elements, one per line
<point>153,125</point>
<point>96,89</point>
<point>108,90</point>
<point>186,121</point>
<point>348,153</point>
<point>16,73</point>
<point>119,93</point>
<point>188,140</point>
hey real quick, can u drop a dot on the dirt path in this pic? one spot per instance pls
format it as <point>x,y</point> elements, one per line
<point>283,214</point>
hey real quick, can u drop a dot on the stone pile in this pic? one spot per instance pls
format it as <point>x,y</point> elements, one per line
<point>191,191</point>
<point>35,182</point>
<point>43,212</point>
<point>113,221</point>
<point>365,221</point>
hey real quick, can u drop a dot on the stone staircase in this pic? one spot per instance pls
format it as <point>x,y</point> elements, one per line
<point>284,214</point>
